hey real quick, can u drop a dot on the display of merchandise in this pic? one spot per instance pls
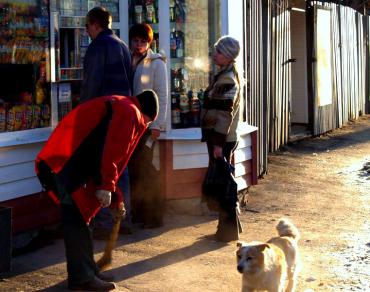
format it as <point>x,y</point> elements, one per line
<point>111,5</point>
<point>24,66</point>
<point>72,39</point>
<point>189,63</point>
<point>143,11</point>
<point>24,31</point>
<point>146,11</point>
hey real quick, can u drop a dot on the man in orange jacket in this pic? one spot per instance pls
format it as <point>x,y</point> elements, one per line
<point>79,167</point>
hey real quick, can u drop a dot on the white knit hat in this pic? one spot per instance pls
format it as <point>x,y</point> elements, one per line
<point>228,46</point>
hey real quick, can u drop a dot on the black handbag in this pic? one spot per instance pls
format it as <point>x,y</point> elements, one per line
<point>219,188</point>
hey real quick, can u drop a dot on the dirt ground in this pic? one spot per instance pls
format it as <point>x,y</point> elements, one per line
<point>322,184</point>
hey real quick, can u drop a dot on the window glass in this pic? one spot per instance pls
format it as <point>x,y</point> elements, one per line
<point>146,11</point>
<point>194,28</point>
<point>111,5</point>
<point>24,65</point>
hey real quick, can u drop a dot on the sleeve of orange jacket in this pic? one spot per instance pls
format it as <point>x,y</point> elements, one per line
<point>126,127</point>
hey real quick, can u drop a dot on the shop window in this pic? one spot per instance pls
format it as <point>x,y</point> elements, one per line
<point>146,11</point>
<point>194,28</point>
<point>71,43</point>
<point>24,65</point>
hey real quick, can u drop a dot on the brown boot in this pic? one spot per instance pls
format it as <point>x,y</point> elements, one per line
<point>95,284</point>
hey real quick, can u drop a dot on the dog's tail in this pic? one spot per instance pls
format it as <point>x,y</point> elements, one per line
<point>286,228</point>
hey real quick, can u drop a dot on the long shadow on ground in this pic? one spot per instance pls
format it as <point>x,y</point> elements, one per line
<point>203,245</point>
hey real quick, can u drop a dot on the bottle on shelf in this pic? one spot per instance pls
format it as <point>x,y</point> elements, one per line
<point>184,108</point>
<point>150,11</point>
<point>179,44</point>
<point>172,11</point>
<point>175,110</point>
<point>139,11</point>
<point>194,110</point>
<point>173,44</point>
<point>200,96</point>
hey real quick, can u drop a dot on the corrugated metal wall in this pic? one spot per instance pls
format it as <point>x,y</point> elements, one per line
<point>268,66</point>
<point>349,68</point>
<point>268,74</point>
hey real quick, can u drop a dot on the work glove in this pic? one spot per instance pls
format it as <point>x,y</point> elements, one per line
<point>104,197</point>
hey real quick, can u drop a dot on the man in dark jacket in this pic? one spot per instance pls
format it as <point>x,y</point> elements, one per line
<point>107,61</point>
<point>107,71</point>
<point>80,165</point>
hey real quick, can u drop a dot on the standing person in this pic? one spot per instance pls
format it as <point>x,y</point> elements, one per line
<point>219,120</point>
<point>149,72</point>
<point>107,71</point>
<point>107,60</point>
<point>80,165</point>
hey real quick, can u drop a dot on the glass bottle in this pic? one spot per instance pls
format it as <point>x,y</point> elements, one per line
<point>139,11</point>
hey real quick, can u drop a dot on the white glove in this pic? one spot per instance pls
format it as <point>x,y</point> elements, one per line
<point>104,197</point>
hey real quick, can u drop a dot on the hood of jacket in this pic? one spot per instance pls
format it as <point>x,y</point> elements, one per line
<point>151,56</point>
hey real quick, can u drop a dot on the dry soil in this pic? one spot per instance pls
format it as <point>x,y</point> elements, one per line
<point>322,184</point>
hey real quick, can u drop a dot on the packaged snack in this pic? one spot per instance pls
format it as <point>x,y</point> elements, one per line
<point>45,115</point>
<point>36,116</point>
<point>15,118</point>
<point>27,117</point>
<point>2,118</point>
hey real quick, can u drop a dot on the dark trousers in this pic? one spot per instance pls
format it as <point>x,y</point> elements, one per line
<point>147,203</point>
<point>229,226</point>
<point>78,243</point>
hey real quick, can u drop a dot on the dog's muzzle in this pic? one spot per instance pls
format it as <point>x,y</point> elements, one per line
<point>240,268</point>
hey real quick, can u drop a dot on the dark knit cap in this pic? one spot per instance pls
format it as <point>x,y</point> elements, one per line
<point>148,100</point>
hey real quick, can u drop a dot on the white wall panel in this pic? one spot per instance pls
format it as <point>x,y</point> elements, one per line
<point>190,161</point>
<point>242,183</point>
<point>17,175</point>
<point>239,170</point>
<point>245,141</point>
<point>19,188</point>
<point>19,154</point>
<point>243,154</point>
<point>182,147</point>
<point>16,172</point>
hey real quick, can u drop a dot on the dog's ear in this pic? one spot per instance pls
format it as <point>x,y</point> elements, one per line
<point>239,244</point>
<point>263,246</point>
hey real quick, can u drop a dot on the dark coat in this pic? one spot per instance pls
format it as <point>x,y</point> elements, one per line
<point>107,67</point>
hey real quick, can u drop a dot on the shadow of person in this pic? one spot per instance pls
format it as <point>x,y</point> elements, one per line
<point>203,245</point>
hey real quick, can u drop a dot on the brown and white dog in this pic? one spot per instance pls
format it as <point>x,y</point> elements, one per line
<point>266,266</point>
